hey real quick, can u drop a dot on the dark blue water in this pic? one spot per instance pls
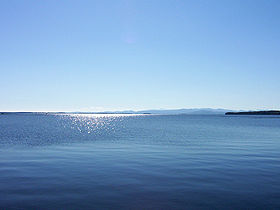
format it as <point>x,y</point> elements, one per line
<point>139,162</point>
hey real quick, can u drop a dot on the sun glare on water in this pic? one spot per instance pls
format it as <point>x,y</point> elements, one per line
<point>92,123</point>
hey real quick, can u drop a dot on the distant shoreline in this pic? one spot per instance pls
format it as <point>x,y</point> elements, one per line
<point>50,113</point>
<point>162,112</point>
<point>271,112</point>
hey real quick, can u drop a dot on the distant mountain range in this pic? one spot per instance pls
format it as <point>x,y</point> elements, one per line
<point>197,111</point>
<point>202,111</point>
<point>185,111</point>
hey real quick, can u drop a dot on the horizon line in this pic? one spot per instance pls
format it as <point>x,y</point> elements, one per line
<point>131,110</point>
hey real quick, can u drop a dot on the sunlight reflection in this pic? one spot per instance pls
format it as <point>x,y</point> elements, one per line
<point>95,123</point>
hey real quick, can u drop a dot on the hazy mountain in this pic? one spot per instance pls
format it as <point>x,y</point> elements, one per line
<point>186,111</point>
<point>204,111</point>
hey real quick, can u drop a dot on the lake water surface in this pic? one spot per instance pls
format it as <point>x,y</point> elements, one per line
<point>139,162</point>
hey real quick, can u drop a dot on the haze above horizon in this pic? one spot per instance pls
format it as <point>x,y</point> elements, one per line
<point>138,55</point>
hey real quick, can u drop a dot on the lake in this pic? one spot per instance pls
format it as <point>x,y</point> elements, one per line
<point>124,161</point>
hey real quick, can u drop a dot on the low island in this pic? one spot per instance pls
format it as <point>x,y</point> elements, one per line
<point>271,112</point>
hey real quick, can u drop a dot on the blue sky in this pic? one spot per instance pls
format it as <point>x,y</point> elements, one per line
<point>144,54</point>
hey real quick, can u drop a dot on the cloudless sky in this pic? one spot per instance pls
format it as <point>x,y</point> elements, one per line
<point>139,54</point>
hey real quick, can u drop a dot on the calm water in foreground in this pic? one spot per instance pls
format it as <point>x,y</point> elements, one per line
<point>139,162</point>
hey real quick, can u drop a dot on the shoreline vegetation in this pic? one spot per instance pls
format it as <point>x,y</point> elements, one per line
<point>270,112</point>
